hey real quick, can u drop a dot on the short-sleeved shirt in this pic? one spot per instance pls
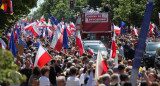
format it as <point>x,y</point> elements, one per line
<point>73,81</point>
<point>44,81</point>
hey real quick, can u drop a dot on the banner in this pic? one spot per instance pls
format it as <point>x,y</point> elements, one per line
<point>96,23</point>
<point>20,49</point>
<point>96,17</point>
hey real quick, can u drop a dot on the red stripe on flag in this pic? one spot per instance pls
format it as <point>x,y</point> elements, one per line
<point>43,59</point>
<point>79,44</point>
<point>105,67</point>
<point>59,43</point>
<point>113,49</point>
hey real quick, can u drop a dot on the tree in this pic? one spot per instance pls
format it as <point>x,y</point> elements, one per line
<point>60,9</point>
<point>8,69</point>
<point>20,9</point>
<point>131,11</point>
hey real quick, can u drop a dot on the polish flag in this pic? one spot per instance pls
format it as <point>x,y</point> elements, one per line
<point>29,27</point>
<point>3,44</point>
<point>72,25</point>
<point>68,30</point>
<point>151,28</point>
<point>113,47</point>
<point>90,51</point>
<point>135,31</point>
<point>42,57</point>
<point>41,20</point>
<point>57,41</point>
<point>8,35</point>
<point>101,67</point>
<point>35,30</point>
<point>117,30</point>
<point>73,49</point>
<point>15,35</point>
<point>49,32</point>
<point>72,28</point>
<point>79,42</point>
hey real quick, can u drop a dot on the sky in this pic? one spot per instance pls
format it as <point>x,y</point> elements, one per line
<point>39,2</point>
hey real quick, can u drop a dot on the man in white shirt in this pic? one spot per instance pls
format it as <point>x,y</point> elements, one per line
<point>72,80</point>
<point>44,80</point>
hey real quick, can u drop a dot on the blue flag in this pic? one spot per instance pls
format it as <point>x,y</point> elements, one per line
<point>46,31</point>
<point>18,33</point>
<point>51,37</point>
<point>122,23</point>
<point>141,42</point>
<point>122,29</point>
<point>158,34</point>
<point>21,42</point>
<point>41,36</point>
<point>65,39</point>
<point>36,44</point>
<point>53,19</point>
<point>12,45</point>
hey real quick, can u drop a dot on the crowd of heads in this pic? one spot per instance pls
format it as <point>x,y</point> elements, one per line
<point>70,69</point>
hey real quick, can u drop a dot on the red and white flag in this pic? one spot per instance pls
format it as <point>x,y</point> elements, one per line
<point>35,30</point>
<point>90,51</point>
<point>113,47</point>
<point>151,29</point>
<point>57,42</point>
<point>29,27</point>
<point>79,42</point>
<point>41,20</point>
<point>42,57</point>
<point>101,67</point>
<point>3,44</point>
<point>8,35</point>
<point>68,30</point>
<point>117,30</point>
<point>135,31</point>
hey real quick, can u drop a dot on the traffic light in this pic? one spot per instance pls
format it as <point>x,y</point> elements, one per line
<point>71,4</point>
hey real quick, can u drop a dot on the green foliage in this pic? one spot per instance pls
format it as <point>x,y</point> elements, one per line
<point>8,69</point>
<point>60,9</point>
<point>20,9</point>
<point>131,11</point>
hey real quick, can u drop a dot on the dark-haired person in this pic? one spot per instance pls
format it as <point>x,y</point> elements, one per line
<point>52,74</point>
<point>36,74</point>
<point>44,80</point>
<point>72,80</point>
<point>26,71</point>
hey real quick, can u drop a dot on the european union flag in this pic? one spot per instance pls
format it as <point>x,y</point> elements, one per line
<point>21,42</point>
<point>65,39</point>
<point>122,23</point>
<point>12,45</point>
<point>53,19</point>
<point>141,43</point>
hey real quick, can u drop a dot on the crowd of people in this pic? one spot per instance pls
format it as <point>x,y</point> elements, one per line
<point>70,69</point>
